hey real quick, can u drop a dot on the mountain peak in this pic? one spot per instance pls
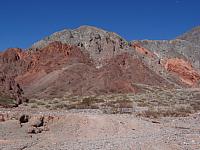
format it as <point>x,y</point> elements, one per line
<point>88,27</point>
<point>100,44</point>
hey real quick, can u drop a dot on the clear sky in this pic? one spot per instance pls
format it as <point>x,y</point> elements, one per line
<point>22,22</point>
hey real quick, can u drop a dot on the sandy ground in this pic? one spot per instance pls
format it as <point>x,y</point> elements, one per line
<point>91,130</point>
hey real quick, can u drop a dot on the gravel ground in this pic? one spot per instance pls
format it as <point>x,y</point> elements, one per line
<point>89,130</point>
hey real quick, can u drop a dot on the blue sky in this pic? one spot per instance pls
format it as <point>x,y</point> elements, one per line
<point>22,22</point>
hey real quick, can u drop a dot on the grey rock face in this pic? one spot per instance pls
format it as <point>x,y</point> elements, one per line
<point>186,46</point>
<point>192,36</point>
<point>102,45</point>
<point>174,48</point>
<point>98,43</point>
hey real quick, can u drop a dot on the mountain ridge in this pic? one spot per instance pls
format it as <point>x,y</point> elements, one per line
<point>92,61</point>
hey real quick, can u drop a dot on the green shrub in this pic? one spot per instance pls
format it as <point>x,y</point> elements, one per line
<point>34,106</point>
<point>7,101</point>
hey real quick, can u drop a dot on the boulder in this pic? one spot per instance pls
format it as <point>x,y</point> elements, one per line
<point>2,118</point>
<point>23,118</point>
<point>37,121</point>
<point>34,130</point>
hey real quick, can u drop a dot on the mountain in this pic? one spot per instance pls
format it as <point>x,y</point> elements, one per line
<point>60,69</point>
<point>9,89</point>
<point>192,36</point>
<point>92,61</point>
<point>99,43</point>
<point>183,53</point>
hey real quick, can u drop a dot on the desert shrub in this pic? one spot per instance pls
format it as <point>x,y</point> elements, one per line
<point>91,100</point>
<point>142,104</point>
<point>6,101</point>
<point>55,102</point>
<point>195,105</point>
<point>60,106</point>
<point>119,104</point>
<point>47,106</point>
<point>182,111</point>
<point>123,106</point>
<point>32,101</point>
<point>117,110</point>
<point>40,103</point>
<point>25,104</point>
<point>34,106</point>
<point>86,103</point>
<point>124,103</point>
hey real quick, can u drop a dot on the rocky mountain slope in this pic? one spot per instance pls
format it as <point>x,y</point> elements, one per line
<point>60,69</point>
<point>184,52</point>
<point>192,36</point>
<point>9,90</point>
<point>99,43</point>
<point>91,61</point>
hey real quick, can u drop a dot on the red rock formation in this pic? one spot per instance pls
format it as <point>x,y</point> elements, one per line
<point>48,59</point>
<point>10,89</point>
<point>30,67</point>
<point>184,70</point>
<point>131,68</point>
<point>60,68</point>
<point>11,55</point>
<point>143,50</point>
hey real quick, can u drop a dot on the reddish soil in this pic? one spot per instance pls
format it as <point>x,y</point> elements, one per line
<point>60,68</point>
<point>184,70</point>
<point>143,50</point>
<point>10,89</point>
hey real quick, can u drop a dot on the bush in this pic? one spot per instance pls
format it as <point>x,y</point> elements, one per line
<point>40,103</point>
<point>60,106</point>
<point>47,106</point>
<point>34,106</point>
<point>7,101</point>
<point>167,112</point>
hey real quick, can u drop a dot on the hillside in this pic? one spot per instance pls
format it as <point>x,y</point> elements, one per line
<point>92,61</point>
<point>192,36</point>
<point>91,89</point>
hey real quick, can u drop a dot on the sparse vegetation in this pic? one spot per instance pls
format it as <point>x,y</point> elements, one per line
<point>7,101</point>
<point>34,106</point>
<point>47,106</point>
<point>55,102</point>
<point>167,112</point>
<point>154,103</point>
<point>86,103</point>
<point>32,101</point>
<point>60,106</point>
<point>40,103</point>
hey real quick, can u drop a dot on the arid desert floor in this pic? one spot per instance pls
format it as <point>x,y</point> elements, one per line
<point>92,129</point>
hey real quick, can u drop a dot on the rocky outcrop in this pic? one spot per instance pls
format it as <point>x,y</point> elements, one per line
<point>173,49</point>
<point>117,76</point>
<point>51,58</point>
<point>11,65</point>
<point>184,70</point>
<point>9,89</point>
<point>98,43</point>
<point>192,36</point>
<point>142,50</point>
<point>182,55</point>
<point>37,121</point>
<point>59,68</point>
<point>91,61</point>
<point>38,124</point>
<point>23,118</point>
